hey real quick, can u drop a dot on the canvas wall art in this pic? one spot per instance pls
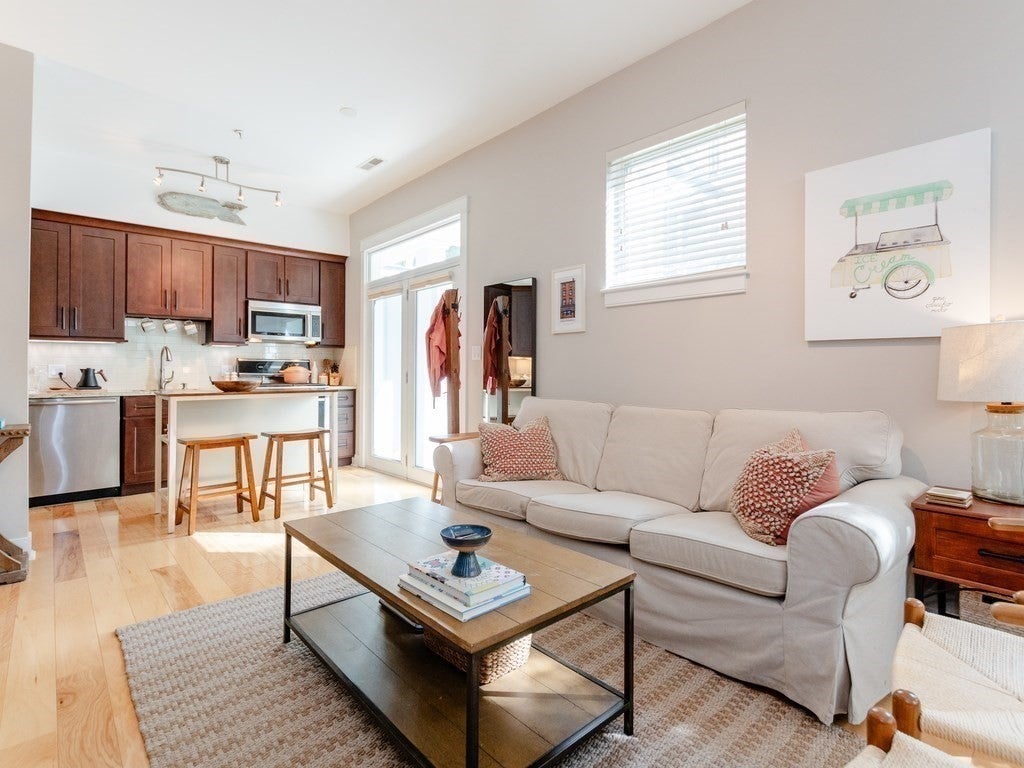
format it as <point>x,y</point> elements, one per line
<point>898,245</point>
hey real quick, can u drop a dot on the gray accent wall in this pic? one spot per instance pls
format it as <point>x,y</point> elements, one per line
<point>825,83</point>
<point>15,235</point>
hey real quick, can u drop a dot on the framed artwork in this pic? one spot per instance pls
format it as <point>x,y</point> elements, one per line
<point>569,299</point>
<point>897,245</point>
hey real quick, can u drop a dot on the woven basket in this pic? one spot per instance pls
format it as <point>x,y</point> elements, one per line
<point>506,659</point>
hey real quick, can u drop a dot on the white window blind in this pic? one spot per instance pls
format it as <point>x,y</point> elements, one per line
<point>676,202</point>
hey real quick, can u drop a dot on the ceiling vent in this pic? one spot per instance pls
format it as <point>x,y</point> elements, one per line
<point>372,163</point>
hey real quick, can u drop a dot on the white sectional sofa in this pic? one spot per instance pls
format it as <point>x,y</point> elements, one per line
<point>816,619</point>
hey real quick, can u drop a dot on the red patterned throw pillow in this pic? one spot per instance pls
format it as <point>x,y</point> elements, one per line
<point>523,454</point>
<point>779,482</point>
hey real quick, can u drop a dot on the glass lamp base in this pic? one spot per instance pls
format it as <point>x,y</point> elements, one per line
<point>997,455</point>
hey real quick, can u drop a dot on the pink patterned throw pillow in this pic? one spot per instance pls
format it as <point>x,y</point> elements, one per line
<point>518,454</point>
<point>779,482</point>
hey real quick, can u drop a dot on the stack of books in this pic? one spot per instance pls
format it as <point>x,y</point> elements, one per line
<point>463,598</point>
<point>949,497</point>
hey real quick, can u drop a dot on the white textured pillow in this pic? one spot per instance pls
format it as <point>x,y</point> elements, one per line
<point>518,454</point>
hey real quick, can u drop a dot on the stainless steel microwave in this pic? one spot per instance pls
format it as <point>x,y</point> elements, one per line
<point>278,321</point>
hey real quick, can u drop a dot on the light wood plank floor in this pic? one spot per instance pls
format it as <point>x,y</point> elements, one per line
<point>107,563</point>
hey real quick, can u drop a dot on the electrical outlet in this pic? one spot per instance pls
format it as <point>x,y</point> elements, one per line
<point>56,370</point>
<point>474,353</point>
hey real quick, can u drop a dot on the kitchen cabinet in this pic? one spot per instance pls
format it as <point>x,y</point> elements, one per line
<point>346,426</point>
<point>275,277</point>
<point>137,439</point>
<point>332,302</point>
<point>77,282</point>
<point>228,325</point>
<point>169,277</point>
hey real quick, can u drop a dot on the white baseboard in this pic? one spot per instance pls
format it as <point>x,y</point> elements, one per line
<point>26,544</point>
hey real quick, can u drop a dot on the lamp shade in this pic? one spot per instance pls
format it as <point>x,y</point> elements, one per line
<point>982,363</point>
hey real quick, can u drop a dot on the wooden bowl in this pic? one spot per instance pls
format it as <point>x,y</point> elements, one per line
<point>234,386</point>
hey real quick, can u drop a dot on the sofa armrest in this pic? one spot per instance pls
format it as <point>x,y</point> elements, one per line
<point>858,535</point>
<point>455,461</point>
<point>847,578</point>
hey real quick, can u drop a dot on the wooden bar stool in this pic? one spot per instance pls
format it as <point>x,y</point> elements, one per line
<point>194,446</point>
<point>280,479</point>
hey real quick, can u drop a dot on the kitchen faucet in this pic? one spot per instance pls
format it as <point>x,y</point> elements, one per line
<point>165,356</point>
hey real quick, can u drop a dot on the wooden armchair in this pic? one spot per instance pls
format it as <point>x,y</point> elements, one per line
<point>969,678</point>
<point>891,744</point>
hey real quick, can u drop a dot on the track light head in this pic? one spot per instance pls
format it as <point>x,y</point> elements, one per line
<point>202,185</point>
<point>159,178</point>
<point>241,195</point>
<point>277,200</point>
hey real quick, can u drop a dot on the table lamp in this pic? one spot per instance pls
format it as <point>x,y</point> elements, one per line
<point>985,364</point>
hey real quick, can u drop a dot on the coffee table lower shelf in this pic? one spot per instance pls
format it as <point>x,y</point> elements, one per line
<point>527,718</point>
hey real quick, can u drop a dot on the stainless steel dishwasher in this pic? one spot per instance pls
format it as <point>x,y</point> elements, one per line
<point>75,451</point>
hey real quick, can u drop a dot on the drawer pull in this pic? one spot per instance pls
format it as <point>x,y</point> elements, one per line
<point>1001,556</point>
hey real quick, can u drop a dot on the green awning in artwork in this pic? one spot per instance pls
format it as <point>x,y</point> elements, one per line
<point>922,194</point>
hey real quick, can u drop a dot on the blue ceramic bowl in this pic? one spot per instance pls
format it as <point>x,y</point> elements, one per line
<point>466,539</point>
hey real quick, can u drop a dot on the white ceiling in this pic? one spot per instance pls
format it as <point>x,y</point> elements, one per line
<point>132,84</point>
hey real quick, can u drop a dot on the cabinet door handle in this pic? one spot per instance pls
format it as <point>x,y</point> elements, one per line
<point>279,285</point>
<point>62,318</point>
<point>74,318</point>
<point>175,300</point>
<point>287,287</point>
<point>1001,556</point>
<point>165,298</point>
<point>239,326</point>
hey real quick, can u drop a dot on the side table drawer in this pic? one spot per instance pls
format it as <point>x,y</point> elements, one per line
<point>962,548</point>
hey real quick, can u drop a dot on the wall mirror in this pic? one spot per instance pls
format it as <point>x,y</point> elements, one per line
<point>510,311</point>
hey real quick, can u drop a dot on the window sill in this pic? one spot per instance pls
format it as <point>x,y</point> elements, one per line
<point>720,283</point>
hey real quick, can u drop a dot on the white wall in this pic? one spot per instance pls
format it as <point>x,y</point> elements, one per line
<point>15,231</point>
<point>81,184</point>
<point>825,83</point>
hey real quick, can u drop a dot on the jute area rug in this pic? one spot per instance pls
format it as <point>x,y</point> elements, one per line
<point>214,686</point>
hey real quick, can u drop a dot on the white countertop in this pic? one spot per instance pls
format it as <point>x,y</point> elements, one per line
<point>55,393</point>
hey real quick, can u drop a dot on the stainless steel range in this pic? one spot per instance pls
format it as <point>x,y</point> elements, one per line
<point>268,372</point>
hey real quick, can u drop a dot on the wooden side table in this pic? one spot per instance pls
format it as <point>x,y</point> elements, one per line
<point>958,546</point>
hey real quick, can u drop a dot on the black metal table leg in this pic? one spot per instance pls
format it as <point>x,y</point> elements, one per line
<point>473,711</point>
<point>627,662</point>
<point>287,585</point>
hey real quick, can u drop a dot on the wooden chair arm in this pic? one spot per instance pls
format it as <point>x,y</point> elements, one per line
<point>913,611</point>
<point>881,728</point>
<point>1009,613</point>
<point>906,708</point>
<point>453,437</point>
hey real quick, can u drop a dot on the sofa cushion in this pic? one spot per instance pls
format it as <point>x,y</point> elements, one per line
<point>518,454</point>
<point>713,546</point>
<point>509,499</point>
<point>656,452</point>
<point>867,446</point>
<point>607,517</point>
<point>579,430</point>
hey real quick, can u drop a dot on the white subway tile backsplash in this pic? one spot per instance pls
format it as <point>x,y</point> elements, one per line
<point>135,363</point>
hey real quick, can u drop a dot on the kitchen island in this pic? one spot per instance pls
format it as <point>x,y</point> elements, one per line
<point>209,412</point>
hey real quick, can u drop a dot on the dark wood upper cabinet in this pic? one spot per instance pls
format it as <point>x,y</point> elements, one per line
<point>275,277</point>
<point>332,302</point>
<point>49,295</point>
<point>77,282</point>
<point>149,275</point>
<point>228,326</point>
<point>96,283</point>
<point>191,279</point>
<point>301,280</point>
<point>169,277</point>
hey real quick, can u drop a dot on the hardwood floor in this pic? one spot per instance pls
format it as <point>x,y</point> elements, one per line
<point>107,563</point>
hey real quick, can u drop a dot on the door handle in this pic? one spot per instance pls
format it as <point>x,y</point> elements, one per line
<point>287,286</point>
<point>239,326</point>
<point>74,318</point>
<point>62,318</point>
<point>1001,556</point>
<point>165,298</point>
<point>175,300</point>
<point>279,285</point>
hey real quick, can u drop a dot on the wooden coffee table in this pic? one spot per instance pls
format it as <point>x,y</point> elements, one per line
<point>442,716</point>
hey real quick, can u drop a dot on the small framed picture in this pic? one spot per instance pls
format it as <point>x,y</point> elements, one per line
<point>569,299</point>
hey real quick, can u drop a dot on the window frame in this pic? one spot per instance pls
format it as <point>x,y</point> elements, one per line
<point>717,282</point>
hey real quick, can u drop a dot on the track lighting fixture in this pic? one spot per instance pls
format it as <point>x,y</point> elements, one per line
<point>218,163</point>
